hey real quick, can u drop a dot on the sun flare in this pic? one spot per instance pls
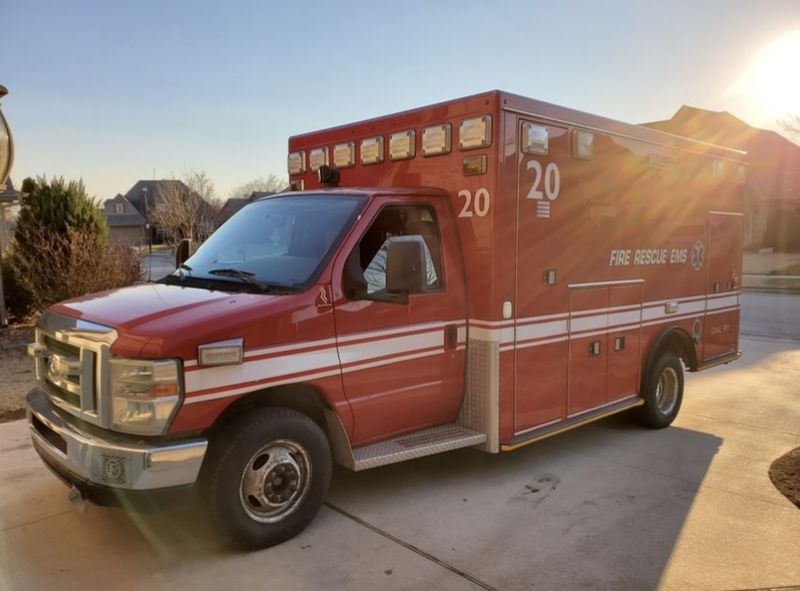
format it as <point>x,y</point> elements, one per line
<point>775,77</point>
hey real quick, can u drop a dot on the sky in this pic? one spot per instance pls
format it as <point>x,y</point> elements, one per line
<point>114,92</point>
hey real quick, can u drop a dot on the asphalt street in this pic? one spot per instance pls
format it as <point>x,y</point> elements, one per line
<point>767,314</point>
<point>607,506</point>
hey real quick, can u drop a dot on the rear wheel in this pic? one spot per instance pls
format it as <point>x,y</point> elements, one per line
<point>265,476</point>
<point>663,391</point>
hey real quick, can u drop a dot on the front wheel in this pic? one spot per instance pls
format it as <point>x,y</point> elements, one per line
<point>663,391</point>
<point>265,476</point>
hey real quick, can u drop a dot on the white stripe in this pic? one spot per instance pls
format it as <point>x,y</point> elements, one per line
<point>560,339</point>
<point>723,302</point>
<point>492,335</point>
<point>573,337</point>
<point>605,283</point>
<point>653,312</point>
<point>540,318</point>
<point>251,371</point>
<point>544,329</point>
<point>393,331</point>
<point>672,318</point>
<point>292,347</point>
<point>392,360</point>
<point>253,387</point>
<point>736,213</point>
<point>391,346</point>
<point>605,310</point>
<point>723,311</point>
<point>493,323</point>
<point>588,323</point>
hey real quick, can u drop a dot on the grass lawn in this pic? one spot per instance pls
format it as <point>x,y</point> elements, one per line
<point>790,270</point>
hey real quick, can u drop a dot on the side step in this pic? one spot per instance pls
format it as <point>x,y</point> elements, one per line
<point>415,445</point>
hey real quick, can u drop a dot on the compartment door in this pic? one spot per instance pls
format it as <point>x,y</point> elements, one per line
<point>588,349</point>
<point>724,284</point>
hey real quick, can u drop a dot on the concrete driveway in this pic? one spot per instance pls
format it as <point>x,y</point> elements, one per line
<point>608,506</point>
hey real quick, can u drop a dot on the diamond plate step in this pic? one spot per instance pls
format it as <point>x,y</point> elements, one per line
<point>415,445</point>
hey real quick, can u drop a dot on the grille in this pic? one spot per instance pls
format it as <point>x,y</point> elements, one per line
<point>68,373</point>
<point>61,348</point>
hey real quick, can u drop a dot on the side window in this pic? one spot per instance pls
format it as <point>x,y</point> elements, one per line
<point>400,223</point>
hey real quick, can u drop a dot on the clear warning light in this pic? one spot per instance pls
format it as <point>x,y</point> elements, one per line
<point>317,158</point>
<point>475,133</point>
<point>436,139</point>
<point>372,150</point>
<point>344,155</point>
<point>297,162</point>
<point>402,145</point>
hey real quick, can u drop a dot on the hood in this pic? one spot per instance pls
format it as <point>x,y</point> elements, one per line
<point>155,320</point>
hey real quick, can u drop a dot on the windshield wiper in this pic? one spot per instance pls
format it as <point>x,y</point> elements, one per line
<point>245,276</point>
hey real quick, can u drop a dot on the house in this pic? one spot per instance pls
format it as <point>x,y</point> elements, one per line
<point>125,224</point>
<point>772,185</point>
<point>148,196</point>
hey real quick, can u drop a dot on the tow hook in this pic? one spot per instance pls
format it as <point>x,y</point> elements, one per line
<point>75,497</point>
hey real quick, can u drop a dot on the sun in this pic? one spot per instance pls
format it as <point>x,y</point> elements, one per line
<point>775,76</point>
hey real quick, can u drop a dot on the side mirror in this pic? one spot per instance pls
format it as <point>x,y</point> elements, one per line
<point>182,252</point>
<point>406,270</point>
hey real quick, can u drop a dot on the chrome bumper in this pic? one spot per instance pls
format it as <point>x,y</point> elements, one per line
<point>110,461</point>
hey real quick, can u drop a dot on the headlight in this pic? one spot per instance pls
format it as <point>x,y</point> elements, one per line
<point>144,395</point>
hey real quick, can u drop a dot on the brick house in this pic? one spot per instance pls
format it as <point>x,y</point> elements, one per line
<point>125,224</point>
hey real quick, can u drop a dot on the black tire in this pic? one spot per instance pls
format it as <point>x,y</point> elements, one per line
<point>265,476</point>
<point>663,393</point>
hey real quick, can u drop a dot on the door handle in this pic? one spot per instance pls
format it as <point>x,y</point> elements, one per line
<point>451,336</point>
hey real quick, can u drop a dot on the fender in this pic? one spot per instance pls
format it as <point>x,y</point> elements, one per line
<point>672,337</point>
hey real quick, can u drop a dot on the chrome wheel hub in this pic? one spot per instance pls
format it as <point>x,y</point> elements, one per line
<point>667,391</point>
<point>275,481</point>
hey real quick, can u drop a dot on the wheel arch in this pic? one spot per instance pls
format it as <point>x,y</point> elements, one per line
<point>674,339</point>
<point>304,398</point>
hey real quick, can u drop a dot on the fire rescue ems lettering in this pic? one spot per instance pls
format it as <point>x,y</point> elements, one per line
<point>647,256</point>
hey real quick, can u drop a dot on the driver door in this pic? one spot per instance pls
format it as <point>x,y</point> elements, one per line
<point>402,355</point>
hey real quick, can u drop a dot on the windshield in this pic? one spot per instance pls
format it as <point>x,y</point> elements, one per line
<point>282,241</point>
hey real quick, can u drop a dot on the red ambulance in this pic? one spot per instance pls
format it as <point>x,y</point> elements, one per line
<point>484,272</point>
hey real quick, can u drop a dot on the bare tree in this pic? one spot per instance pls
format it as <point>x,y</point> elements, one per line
<point>269,184</point>
<point>182,212</point>
<point>199,182</point>
<point>791,125</point>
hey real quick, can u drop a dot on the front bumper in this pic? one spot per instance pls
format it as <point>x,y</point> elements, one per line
<point>111,461</point>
